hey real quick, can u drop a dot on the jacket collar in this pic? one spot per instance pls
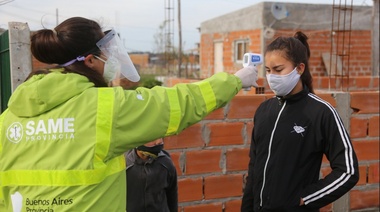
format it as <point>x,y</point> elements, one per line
<point>133,158</point>
<point>294,97</point>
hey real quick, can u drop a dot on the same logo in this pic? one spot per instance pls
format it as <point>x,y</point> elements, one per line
<point>15,132</point>
<point>41,130</point>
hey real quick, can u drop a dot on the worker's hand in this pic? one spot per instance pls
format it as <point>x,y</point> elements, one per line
<point>248,76</point>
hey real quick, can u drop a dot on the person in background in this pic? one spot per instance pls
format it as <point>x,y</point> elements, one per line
<point>292,132</point>
<point>151,179</point>
<point>65,132</point>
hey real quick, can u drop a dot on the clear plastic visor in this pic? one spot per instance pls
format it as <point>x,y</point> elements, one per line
<point>112,47</point>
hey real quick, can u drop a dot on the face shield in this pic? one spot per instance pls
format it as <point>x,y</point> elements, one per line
<point>117,57</point>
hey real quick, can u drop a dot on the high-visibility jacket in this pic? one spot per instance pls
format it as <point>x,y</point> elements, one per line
<point>62,139</point>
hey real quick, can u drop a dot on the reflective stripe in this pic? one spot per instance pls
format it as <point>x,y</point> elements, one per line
<point>61,178</point>
<point>1,127</point>
<point>1,149</point>
<point>175,111</point>
<point>104,117</point>
<point>208,95</point>
<point>78,177</point>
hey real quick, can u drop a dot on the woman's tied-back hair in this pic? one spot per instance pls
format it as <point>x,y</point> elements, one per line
<point>295,49</point>
<point>71,39</point>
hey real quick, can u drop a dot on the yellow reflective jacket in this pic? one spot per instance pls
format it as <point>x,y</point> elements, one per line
<point>62,139</point>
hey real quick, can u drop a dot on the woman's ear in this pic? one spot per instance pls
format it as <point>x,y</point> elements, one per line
<point>301,68</point>
<point>89,61</point>
<point>93,63</point>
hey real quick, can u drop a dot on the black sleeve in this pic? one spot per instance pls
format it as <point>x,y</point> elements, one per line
<point>343,162</point>
<point>172,189</point>
<point>247,201</point>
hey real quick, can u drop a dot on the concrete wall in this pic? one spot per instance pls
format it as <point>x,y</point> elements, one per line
<point>20,55</point>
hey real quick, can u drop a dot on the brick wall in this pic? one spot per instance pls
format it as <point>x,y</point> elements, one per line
<point>364,131</point>
<point>211,157</point>
<point>228,39</point>
<point>36,65</point>
<point>357,62</point>
<point>140,60</point>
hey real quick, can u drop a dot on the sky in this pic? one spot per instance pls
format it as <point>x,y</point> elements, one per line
<point>137,21</point>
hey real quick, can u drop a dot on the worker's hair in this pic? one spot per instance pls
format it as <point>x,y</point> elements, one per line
<point>295,49</point>
<point>73,38</point>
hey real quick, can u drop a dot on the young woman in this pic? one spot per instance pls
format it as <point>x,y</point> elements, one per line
<point>291,134</point>
<point>64,133</point>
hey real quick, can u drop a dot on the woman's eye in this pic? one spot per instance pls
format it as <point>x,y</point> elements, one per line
<point>273,70</point>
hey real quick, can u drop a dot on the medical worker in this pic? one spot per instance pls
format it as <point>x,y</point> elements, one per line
<point>64,133</point>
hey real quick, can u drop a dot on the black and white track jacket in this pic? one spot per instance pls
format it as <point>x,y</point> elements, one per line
<point>289,138</point>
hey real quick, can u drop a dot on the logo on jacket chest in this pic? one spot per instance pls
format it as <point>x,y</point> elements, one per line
<point>42,130</point>
<point>299,129</point>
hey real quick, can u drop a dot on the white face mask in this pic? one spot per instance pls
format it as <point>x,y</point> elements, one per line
<point>281,85</point>
<point>111,67</point>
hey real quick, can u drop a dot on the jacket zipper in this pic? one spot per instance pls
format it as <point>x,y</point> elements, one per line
<point>269,151</point>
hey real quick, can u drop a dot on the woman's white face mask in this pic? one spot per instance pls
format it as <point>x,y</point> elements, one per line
<point>282,85</point>
<point>111,68</point>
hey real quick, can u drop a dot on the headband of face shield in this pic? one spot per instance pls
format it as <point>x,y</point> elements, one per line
<point>117,57</point>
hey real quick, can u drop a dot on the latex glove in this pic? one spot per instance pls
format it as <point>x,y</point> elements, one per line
<point>248,76</point>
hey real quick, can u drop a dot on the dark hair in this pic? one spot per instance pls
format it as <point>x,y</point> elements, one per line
<point>72,38</point>
<point>295,49</point>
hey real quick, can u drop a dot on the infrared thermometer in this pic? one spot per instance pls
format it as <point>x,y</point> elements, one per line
<point>252,59</point>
